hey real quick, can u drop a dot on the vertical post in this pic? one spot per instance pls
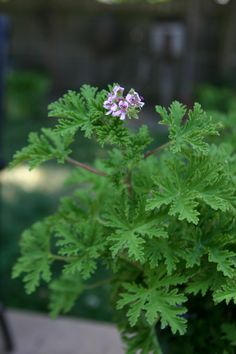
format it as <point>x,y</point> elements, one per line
<point>6,333</point>
<point>4,328</point>
<point>3,61</point>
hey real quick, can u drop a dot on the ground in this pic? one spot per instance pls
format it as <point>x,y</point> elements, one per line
<point>38,334</point>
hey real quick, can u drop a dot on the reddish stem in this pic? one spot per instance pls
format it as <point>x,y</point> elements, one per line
<point>86,167</point>
<point>151,152</point>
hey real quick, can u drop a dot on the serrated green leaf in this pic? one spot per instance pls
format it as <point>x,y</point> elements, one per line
<point>225,260</point>
<point>193,132</point>
<point>80,242</point>
<point>155,301</point>
<point>43,147</point>
<point>77,110</point>
<point>226,293</point>
<point>182,185</point>
<point>132,227</point>
<point>130,241</point>
<point>34,262</point>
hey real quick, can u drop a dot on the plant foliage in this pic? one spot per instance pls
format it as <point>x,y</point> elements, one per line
<point>164,225</point>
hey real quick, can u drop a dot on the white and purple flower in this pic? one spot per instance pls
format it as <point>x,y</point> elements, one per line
<point>123,109</point>
<point>118,91</point>
<point>134,99</point>
<point>110,105</point>
<point>119,106</point>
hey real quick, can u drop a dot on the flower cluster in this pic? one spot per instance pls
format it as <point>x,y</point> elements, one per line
<point>119,106</point>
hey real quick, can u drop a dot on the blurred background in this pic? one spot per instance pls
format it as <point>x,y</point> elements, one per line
<point>179,49</point>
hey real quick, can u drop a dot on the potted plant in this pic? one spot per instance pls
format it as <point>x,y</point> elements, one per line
<point>162,221</point>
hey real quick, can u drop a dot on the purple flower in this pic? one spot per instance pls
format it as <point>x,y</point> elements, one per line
<point>123,109</point>
<point>118,91</point>
<point>113,107</point>
<point>134,99</point>
<point>119,106</point>
<point>108,103</point>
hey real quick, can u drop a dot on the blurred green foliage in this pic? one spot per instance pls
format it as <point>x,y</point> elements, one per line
<point>220,102</point>
<point>26,95</point>
<point>26,100</point>
<point>214,98</point>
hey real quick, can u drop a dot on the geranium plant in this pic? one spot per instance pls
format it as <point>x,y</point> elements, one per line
<point>162,221</point>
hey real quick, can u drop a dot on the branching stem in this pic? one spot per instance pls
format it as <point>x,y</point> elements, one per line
<point>86,167</point>
<point>104,174</point>
<point>159,148</point>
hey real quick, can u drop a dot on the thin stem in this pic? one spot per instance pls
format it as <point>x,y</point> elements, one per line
<point>98,284</point>
<point>85,167</point>
<point>61,258</point>
<point>151,152</point>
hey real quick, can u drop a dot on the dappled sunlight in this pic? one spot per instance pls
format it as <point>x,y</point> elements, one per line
<point>46,179</point>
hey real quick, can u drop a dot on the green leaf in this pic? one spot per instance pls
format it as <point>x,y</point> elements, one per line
<point>84,111</point>
<point>225,260</point>
<point>43,147</point>
<point>183,185</point>
<point>193,132</point>
<point>226,293</point>
<point>130,241</point>
<point>80,242</point>
<point>185,207</point>
<point>136,145</point>
<point>156,300</point>
<point>158,250</point>
<point>78,110</point>
<point>172,189</point>
<point>34,262</point>
<point>201,282</point>
<point>132,226</point>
